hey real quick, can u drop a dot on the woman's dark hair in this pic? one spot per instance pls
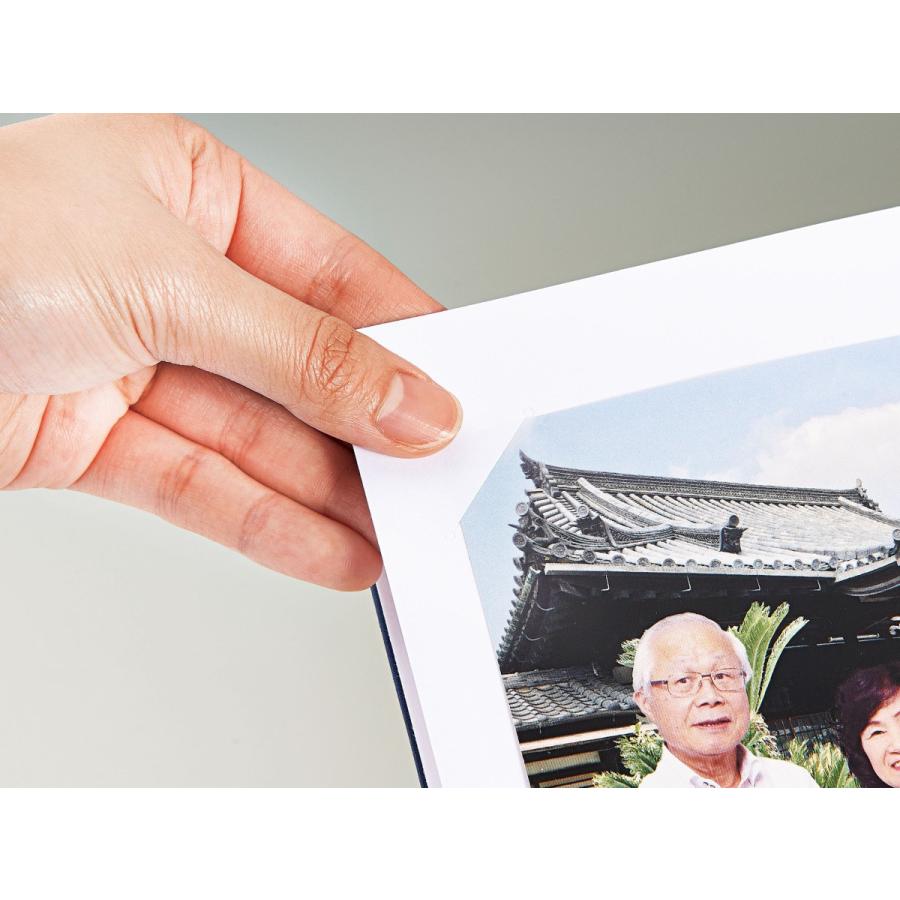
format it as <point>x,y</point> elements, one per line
<point>857,698</point>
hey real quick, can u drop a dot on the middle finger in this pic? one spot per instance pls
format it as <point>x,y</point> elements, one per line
<point>263,439</point>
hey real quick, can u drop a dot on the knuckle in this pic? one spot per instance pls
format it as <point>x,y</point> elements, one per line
<point>242,432</point>
<point>330,282</point>
<point>177,482</point>
<point>192,137</point>
<point>255,522</point>
<point>149,308</point>
<point>330,366</point>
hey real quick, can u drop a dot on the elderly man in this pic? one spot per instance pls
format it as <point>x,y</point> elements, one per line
<point>690,679</point>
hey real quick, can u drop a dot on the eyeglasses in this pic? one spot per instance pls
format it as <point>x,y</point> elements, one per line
<point>688,683</point>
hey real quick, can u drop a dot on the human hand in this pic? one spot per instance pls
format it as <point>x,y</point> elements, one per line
<point>177,333</point>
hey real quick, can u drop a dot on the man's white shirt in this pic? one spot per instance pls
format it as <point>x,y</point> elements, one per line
<point>756,772</point>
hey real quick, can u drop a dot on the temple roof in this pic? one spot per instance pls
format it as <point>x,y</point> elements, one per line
<point>561,696</point>
<point>608,520</point>
<point>588,537</point>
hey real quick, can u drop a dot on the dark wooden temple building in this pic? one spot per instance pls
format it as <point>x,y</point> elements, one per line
<point>602,556</point>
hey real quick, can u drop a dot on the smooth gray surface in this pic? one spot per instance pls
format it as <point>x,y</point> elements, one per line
<point>132,653</point>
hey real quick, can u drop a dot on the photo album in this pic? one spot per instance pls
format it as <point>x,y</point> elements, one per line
<point>663,549</point>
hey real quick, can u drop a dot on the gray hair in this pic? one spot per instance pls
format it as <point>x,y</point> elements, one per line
<point>643,657</point>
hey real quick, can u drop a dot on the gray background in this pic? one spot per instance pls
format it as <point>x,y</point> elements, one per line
<point>132,653</point>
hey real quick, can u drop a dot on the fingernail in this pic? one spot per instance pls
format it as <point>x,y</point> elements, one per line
<point>418,412</point>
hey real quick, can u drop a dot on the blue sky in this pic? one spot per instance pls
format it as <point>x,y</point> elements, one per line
<point>819,420</point>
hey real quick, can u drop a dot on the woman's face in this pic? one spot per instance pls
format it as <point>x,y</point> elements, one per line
<point>881,741</point>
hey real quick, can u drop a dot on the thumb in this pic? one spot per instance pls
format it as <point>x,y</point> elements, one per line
<point>314,364</point>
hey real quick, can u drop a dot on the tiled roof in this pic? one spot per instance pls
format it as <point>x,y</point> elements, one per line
<point>560,696</point>
<point>606,520</point>
<point>582,535</point>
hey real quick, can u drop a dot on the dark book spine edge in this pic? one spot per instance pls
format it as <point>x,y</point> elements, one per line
<point>398,686</point>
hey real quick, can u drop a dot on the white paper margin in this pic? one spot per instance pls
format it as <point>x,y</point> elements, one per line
<point>801,291</point>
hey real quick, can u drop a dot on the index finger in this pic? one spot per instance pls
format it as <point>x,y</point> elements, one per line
<point>295,248</point>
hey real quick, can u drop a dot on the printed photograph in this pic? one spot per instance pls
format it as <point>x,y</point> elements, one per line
<point>698,585</point>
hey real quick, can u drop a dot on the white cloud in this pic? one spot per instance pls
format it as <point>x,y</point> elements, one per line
<point>833,451</point>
